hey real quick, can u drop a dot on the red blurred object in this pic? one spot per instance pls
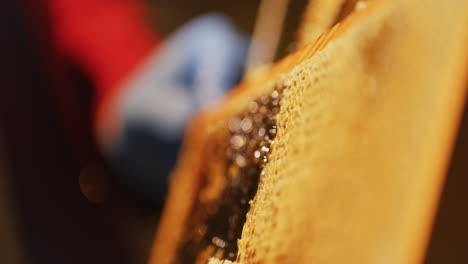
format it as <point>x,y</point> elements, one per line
<point>107,38</point>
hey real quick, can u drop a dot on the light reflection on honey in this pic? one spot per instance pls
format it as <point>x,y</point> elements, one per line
<point>216,224</point>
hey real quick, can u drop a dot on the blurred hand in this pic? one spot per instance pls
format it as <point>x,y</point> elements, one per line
<point>193,68</point>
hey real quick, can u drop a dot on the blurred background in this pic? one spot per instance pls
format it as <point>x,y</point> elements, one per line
<point>90,125</point>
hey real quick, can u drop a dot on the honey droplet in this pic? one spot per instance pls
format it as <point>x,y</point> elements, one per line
<point>218,242</point>
<point>237,141</point>
<point>257,154</point>
<point>234,124</point>
<point>240,161</point>
<point>253,107</point>
<point>274,94</point>
<point>273,130</point>
<point>246,125</point>
<point>261,132</point>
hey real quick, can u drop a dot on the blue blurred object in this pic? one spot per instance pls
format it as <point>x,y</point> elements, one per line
<point>192,69</point>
